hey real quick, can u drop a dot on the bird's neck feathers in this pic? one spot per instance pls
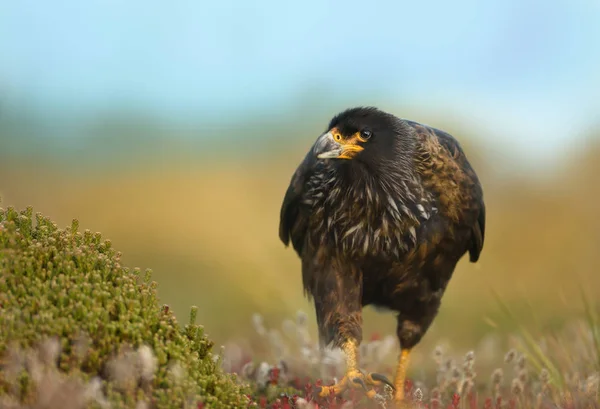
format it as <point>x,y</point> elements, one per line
<point>384,180</point>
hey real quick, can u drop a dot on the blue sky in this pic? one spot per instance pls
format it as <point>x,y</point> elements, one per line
<point>525,71</point>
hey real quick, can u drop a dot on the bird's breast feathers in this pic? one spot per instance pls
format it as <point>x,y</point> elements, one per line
<point>370,218</point>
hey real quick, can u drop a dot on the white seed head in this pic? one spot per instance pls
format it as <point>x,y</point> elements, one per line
<point>592,384</point>
<point>516,387</point>
<point>147,362</point>
<point>248,370</point>
<point>301,403</point>
<point>262,374</point>
<point>257,322</point>
<point>438,355</point>
<point>455,373</point>
<point>523,375</point>
<point>466,385</point>
<point>93,392</point>
<point>49,351</point>
<point>301,318</point>
<point>510,356</point>
<point>497,376</point>
<point>522,361</point>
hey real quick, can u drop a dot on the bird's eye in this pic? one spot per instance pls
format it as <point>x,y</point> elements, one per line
<point>365,134</point>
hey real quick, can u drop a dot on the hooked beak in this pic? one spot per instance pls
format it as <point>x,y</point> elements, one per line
<point>326,147</point>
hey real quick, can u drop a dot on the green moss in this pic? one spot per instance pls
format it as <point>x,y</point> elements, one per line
<point>71,314</point>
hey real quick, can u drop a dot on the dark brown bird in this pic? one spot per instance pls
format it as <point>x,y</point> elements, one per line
<point>380,211</point>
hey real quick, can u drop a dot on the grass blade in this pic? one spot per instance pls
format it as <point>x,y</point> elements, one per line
<point>539,358</point>
<point>592,320</point>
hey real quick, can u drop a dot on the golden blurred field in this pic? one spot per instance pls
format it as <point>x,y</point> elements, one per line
<point>207,226</point>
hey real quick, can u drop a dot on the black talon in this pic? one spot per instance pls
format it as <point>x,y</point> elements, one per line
<point>383,379</point>
<point>361,382</point>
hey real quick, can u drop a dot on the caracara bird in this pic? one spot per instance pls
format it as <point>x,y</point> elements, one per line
<point>380,211</point>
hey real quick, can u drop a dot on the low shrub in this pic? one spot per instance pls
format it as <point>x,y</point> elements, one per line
<point>80,330</point>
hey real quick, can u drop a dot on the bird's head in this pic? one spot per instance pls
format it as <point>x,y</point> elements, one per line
<point>366,136</point>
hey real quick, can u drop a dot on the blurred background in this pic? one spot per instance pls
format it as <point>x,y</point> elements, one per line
<point>174,129</point>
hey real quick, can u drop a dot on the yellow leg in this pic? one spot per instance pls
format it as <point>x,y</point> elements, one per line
<point>401,374</point>
<point>350,349</point>
<point>354,378</point>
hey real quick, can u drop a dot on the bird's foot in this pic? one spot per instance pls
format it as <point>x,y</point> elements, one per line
<point>357,380</point>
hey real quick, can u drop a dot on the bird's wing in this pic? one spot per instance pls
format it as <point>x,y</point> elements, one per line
<point>478,235</point>
<point>292,221</point>
<point>474,190</point>
<point>478,229</point>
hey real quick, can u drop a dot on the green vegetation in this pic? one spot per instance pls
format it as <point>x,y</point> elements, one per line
<point>79,329</point>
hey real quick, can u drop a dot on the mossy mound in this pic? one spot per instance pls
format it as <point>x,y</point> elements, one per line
<point>77,329</point>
